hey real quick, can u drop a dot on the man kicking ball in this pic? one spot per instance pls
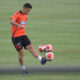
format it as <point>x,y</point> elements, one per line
<point>19,37</point>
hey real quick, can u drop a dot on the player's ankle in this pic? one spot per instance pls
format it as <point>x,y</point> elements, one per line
<point>39,58</point>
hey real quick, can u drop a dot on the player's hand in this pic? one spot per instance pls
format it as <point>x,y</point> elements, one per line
<point>21,26</point>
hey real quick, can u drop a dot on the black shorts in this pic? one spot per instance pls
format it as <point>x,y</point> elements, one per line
<point>20,42</point>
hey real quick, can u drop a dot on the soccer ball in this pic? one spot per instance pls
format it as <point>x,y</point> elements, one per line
<point>42,48</point>
<point>49,48</point>
<point>49,56</point>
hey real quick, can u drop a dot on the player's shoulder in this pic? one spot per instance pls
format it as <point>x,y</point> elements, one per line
<point>17,12</point>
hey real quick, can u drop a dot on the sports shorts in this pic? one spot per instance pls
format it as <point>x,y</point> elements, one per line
<point>21,42</point>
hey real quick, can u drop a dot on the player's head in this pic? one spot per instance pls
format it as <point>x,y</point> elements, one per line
<point>26,8</point>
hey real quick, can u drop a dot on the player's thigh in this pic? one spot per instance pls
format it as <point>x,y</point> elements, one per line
<point>30,47</point>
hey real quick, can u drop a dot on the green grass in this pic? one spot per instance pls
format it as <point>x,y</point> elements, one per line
<point>42,77</point>
<point>50,21</point>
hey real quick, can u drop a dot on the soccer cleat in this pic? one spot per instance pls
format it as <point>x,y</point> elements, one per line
<point>25,72</point>
<point>43,61</point>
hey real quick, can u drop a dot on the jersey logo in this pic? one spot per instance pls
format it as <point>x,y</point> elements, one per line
<point>22,22</point>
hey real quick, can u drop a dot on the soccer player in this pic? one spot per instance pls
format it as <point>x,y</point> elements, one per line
<point>19,37</point>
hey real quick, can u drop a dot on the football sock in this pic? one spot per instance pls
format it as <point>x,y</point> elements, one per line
<point>39,58</point>
<point>23,67</point>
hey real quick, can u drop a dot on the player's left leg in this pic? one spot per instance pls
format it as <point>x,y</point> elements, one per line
<point>35,53</point>
<point>27,45</point>
<point>32,50</point>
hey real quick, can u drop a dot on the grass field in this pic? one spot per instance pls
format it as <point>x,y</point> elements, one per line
<point>50,21</point>
<point>42,77</point>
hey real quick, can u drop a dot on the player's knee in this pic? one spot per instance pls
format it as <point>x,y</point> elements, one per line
<point>20,56</point>
<point>21,52</point>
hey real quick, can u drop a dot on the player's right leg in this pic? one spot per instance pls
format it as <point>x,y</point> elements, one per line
<point>18,45</point>
<point>21,60</point>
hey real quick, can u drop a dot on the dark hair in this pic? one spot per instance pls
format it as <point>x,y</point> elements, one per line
<point>27,5</point>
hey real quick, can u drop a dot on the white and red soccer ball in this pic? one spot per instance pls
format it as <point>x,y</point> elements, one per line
<point>49,56</point>
<point>47,48</point>
<point>42,48</point>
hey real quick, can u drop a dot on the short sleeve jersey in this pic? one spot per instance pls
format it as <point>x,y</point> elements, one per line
<point>19,18</point>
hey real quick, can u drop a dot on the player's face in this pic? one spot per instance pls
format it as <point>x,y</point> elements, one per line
<point>26,11</point>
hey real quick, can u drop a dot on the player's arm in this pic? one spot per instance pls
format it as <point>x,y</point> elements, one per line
<point>16,24</point>
<point>13,20</point>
